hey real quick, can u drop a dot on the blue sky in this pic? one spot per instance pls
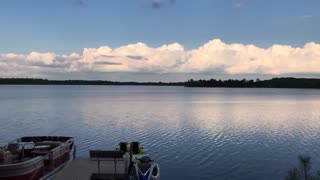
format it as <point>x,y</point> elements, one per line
<point>67,26</point>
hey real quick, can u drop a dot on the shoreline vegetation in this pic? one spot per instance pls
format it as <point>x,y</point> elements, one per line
<point>33,81</point>
<point>303,170</point>
<point>288,82</point>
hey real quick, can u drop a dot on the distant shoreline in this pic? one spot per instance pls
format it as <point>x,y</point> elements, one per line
<point>288,82</point>
<point>33,81</point>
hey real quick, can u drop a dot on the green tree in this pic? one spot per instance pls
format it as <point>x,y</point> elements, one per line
<point>305,165</point>
<point>293,174</point>
<point>302,173</point>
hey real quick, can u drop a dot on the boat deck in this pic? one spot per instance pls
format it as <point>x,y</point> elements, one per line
<point>86,169</point>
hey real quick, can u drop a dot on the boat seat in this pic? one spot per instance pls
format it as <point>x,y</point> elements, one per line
<point>51,143</point>
<point>7,157</point>
<point>45,147</point>
<point>135,147</point>
<point>14,148</point>
<point>123,147</point>
<point>144,164</point>
<point>1,155</point>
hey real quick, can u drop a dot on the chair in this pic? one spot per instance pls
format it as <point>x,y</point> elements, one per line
<point>135,147</point>
<point>123,147</point>
<point>97,155</point>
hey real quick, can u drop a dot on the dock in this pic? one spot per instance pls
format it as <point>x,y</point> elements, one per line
<point>102,165</point>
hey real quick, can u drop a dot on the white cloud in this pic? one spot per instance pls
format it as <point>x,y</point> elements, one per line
<point>237,5</point>
<point>238,58</point>
<point>214,56</point>
<point>306,16</point>
<point>240,4</point>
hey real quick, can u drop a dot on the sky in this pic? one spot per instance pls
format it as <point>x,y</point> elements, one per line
<point>159,40</point>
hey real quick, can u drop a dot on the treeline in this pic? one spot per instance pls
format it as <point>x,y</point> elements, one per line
<point>303,170</point>
<point>32,81</point>
<point>272,83</point>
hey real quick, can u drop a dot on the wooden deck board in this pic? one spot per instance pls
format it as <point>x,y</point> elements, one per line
<point>83,168</point>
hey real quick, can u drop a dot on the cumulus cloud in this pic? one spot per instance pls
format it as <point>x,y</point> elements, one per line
<point>108,63</point>
<point>36,63</point>
<point>214,56</point>
<point>239,58</point>
<point>137,57</point>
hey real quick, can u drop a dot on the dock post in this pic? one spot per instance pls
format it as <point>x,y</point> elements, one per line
<point>115,167</point>
<point>99,167</point>
<point>51,161</point>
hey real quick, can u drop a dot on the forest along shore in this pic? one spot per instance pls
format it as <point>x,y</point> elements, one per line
<point>288,82</point>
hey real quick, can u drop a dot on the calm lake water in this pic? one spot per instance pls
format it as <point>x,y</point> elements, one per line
<point>193,133</point>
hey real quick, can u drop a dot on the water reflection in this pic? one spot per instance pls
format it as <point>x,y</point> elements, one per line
<point>193,133</point>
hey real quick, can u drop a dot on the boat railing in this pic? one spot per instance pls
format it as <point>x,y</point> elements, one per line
<point>45,138</point>
<point>69,141</point>
<point>27,163</point>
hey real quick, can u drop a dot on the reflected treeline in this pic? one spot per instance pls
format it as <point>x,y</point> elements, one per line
<point>302,171</point>
<point>31,81</point>
<point>272,83</point>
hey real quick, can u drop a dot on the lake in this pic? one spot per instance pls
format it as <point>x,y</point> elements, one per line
<point>193,133</point>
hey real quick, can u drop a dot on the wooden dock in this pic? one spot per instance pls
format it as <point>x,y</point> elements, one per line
<point>99,167</point>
